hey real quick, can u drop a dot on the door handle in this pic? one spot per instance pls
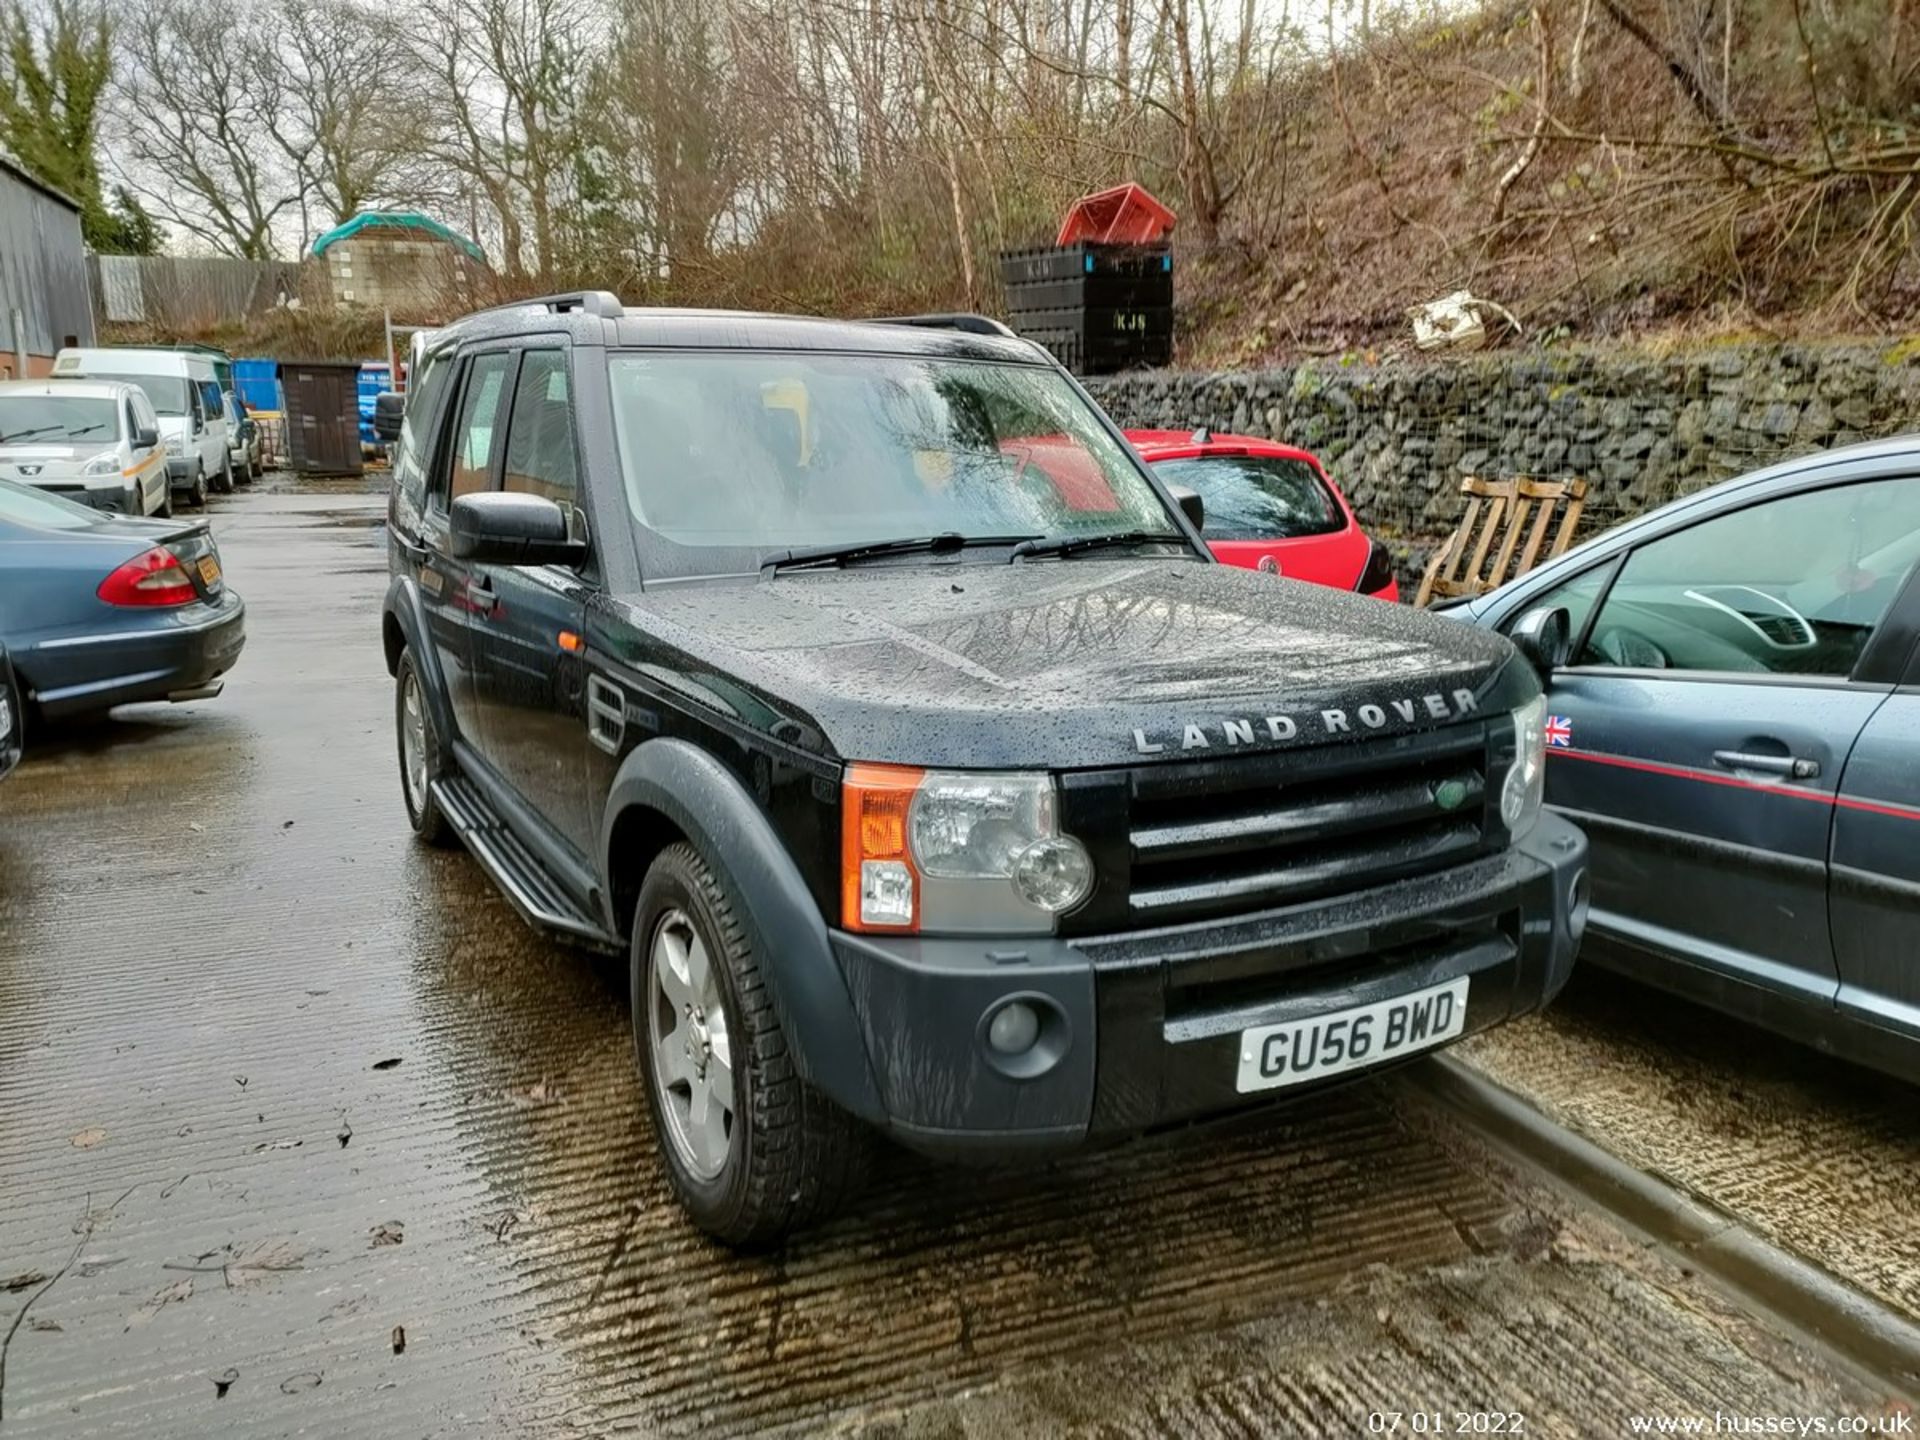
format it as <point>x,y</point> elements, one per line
<point>1792,767</point>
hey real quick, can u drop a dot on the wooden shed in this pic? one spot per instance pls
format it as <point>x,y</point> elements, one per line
<point>323,415</point>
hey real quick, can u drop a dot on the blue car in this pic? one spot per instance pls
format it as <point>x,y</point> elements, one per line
<point>98,610</point>
<point>1734,719</point>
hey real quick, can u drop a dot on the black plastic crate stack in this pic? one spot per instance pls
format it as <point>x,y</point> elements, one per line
<point>1097,308</point>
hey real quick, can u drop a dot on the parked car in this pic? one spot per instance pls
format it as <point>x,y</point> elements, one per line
<point>1271,507</point>
<point>1735,718</point>
<point>243,439</point>
<point>930,783</point>
<point>98,610</point>
<point>95,441</point>
<point>12,716</point>
<point>185,394</point>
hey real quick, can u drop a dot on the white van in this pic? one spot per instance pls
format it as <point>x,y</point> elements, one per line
<point>185,395</point>
<point>95,441</point>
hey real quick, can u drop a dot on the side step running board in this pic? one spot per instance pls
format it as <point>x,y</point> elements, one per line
<point>541,900</point>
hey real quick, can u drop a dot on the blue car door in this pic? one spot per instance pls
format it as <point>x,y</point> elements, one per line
<point>1701,732</point>
<point>1875,895</point>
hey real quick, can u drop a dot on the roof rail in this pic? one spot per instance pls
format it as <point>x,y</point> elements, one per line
<point>972,324</point>
<point>603,304</point>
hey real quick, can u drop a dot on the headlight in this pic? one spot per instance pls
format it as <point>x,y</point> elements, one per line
<point>956,852</point>
<point>1527,777</point>
<point>107,464</point>
<point>171,445</point>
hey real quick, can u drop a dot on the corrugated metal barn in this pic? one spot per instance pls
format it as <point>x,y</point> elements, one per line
<point>44,302</point>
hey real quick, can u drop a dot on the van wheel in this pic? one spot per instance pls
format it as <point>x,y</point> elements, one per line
<point>752,1150</point>
<point>197,496</point>
<point>224,484</point>
<point>420,757</point>
<point>165,512</point>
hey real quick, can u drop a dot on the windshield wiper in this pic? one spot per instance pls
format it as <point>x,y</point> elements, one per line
<point>1074,544</point>
<point>945,543</point>
<point>17,436</point>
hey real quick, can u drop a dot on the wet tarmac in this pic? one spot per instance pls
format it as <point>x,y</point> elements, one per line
<point>302,1132</point>
<point>1819,1156</point>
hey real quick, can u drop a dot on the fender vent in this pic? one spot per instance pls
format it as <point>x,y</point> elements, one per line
<point>606,714</point>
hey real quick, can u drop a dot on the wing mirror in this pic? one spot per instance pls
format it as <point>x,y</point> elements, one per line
<point>389,409</point>
<point>1191,505</point>
<point>145,438</point>
<point>1543,637</point>
<point>501,529</point>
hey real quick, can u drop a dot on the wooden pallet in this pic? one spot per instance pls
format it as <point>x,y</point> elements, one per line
<point>1497,515</point>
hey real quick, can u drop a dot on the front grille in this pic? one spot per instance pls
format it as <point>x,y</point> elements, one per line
<point>1256,832</point>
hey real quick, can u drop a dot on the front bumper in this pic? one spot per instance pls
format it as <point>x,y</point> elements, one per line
<point>159,655</point>
<point>1143,1029</point>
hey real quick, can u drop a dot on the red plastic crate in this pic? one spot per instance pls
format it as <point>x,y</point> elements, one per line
<point>1124,215</point>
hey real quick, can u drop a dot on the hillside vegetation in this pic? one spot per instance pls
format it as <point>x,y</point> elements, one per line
<point>1603,169</point>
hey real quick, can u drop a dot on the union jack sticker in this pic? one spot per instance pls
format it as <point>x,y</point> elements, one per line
<point>1560,731</point>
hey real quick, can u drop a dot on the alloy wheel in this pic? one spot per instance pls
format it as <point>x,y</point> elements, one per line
<point>692,1051</point>
<point>413,743</point>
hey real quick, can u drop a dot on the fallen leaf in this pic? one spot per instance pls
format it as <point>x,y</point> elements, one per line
<point>241,1081</point>
<point>387,1232</point>
<point>88,1138</point>
<point>38,1324</point>
<point>399,1339</point>
<point>177,1293</point>
<point>196,827</point>
<point>223,1382</point>
<point>278,1145</point>
<point>386,1064</point>
<point>305,1380</point>
<point>26,1280</point>
<point>263,1258</point>
<point>286,824</point>
<point>345,1134</point>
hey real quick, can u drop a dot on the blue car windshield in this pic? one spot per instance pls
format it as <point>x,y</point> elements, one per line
<point>24,505</point>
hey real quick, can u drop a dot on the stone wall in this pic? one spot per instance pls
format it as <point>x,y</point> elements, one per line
<point>1640,429</point>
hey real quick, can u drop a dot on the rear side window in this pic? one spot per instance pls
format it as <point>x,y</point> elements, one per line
<point>211,400</point>
<point>1257,497</point>
<point>540,432</point>
<point>478,431</point>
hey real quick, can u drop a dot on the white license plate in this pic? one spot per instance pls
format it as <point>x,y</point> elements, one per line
<point>1342,1040</point>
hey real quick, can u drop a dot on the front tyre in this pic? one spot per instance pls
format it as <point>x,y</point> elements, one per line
<point>224,484</point>
<point>420,761</point>
<point>752,1151</point>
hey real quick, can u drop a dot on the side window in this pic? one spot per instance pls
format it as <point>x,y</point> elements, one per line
<point>1793,586</point>
<point>540,457</point>
<point>425,391</point>
<point>478,430</point>
<point>130,418</point>
<point>210,400</point>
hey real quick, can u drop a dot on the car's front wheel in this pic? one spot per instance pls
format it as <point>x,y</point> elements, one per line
<point>197,496</point>
<point>224,484</point>
<point>420,761</point>
<point>752,1150</point>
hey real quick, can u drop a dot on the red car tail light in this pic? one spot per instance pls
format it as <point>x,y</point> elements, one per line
<point>152,578</point>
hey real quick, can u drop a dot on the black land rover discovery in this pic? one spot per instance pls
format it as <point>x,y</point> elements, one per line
<point>861,685</point>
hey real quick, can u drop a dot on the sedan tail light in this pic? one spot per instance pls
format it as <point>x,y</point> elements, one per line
<point>152,578</point>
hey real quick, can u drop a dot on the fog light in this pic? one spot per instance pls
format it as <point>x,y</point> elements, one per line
<point>1013,1029</point>
<point>1054,873</point>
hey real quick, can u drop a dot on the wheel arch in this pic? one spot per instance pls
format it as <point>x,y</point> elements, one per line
<point>668,790</point>
<point>403,625</point>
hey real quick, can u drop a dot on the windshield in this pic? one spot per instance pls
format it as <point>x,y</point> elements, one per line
<point>167,392</point>
<point>27,506</point>
<point>56,419</point>
<point>730,457</point>
<point>1256,497</point>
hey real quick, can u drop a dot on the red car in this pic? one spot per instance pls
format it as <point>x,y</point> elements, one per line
<point>1271,507</point>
